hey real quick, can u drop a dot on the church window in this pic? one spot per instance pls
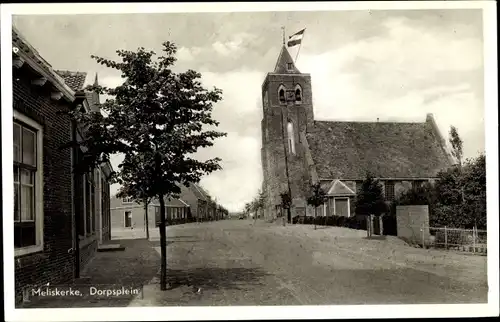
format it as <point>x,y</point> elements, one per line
<point>281,93</point>
<point>290,66</point>
<point>389,190</point>
<point>291,138</point>
<point>298,94</point>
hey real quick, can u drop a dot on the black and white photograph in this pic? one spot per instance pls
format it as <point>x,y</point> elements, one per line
<point>267,160</point>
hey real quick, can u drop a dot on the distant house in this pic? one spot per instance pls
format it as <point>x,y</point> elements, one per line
<point>127,214</point>
<point>198,200</point>
<point>52,204</point>
<point>193,204</point>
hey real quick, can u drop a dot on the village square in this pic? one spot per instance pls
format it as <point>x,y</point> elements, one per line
<point>196,184</point>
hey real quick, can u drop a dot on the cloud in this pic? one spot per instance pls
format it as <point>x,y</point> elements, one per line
<point>185,54</point>
<point>401,76</point>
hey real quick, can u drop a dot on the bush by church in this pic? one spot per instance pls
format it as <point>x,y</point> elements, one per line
<point>457,199</point>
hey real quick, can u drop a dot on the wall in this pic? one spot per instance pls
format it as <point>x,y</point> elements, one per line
<point>409,223</point>
<point>188,196</point>
<point>54,264</point>
<point>118,209</point>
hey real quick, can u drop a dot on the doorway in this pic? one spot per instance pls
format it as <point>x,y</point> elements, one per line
<point>128,219</point>
<point>342,207</point>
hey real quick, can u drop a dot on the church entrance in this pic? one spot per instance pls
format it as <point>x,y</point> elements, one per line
<point>342,207</point>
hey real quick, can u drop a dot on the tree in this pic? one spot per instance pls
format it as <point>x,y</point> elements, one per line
<point>317,198</point>
<point>370,199</point>
<point>456,145</point>
<point>474,187</point>
<point>157,120</point>
<point>286,202</point>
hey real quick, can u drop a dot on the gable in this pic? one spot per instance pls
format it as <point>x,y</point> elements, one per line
<point>339,188</point>
<point>387,150</point>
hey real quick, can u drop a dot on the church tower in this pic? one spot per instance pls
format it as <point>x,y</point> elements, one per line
<point>287,116</point>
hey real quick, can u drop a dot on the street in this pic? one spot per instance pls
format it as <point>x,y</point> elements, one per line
<point>246,262</point>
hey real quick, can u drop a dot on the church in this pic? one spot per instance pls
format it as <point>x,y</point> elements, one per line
<point>298,151</point>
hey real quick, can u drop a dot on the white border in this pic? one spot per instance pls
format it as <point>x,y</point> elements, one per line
<point>275,312</point>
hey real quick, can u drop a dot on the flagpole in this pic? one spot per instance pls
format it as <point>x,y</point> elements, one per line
<point>300,46</point>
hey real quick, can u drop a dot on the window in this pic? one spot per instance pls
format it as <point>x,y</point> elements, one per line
<point>127,200</point>
<point>104,198</point>
<point>291,138</point>
<point>290,66</point>
<point>80,196</point>
<point>389,190</point>
<point>281,94</point>
<point>157,216</point>
<point>359,185</point>
<point>28,185</point>
<point>417,184</point>
<point>298,94</point>
<point>128,219</point>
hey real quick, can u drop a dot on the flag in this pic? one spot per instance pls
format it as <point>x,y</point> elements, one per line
<point>296,38</point>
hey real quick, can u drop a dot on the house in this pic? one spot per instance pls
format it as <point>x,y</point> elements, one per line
<point>51,203</point>
<point>193,204</point>
<point>298,151</point>
<point>198,200</point>
<point>127,214</point>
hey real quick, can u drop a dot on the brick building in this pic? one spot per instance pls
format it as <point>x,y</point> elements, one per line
<point>298,151</point>
<point>49,206</point>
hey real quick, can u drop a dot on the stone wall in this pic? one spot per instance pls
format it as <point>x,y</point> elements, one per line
<point>410,221</point>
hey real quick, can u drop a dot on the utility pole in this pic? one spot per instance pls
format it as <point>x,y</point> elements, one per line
<point>285,123</point>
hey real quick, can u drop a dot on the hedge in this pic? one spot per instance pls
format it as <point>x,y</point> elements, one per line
<point>355,222</point>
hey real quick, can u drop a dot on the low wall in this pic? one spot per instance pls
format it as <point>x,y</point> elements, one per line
<point>410,220</point>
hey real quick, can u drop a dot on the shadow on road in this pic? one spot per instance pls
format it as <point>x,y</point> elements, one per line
<point>215,278</point>
<point>176,239</point>
<point>376,237</point>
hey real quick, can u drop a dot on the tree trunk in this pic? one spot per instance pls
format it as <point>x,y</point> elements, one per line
<point>146,219</point>
<point>315,213</point>
<point>163,244</point>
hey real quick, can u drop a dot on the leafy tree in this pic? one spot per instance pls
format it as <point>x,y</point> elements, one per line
<point>157,120</point>
<point>444,197</point>
<point>370,199</point>
<point>456,145</point>
<point>286,203</point>
<point>317,198</point>
<point>474,188</point>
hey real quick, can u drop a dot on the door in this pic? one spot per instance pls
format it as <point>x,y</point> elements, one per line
<point>128,219</point>
<point>342,207</point>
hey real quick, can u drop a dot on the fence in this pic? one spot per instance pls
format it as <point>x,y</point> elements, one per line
<point>468,240</point>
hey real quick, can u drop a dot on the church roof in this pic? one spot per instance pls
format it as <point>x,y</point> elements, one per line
<point>347,150</point>
<point>284,59</point>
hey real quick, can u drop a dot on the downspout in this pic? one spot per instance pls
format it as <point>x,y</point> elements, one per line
<point>75,187</point>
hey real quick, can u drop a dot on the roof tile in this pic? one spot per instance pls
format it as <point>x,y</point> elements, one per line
<point>388,150</point>
<point>75,80</point>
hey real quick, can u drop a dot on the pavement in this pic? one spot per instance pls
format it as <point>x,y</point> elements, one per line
<point>247,262</point>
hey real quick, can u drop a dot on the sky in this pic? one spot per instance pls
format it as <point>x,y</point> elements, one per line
<point>392,65</point>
